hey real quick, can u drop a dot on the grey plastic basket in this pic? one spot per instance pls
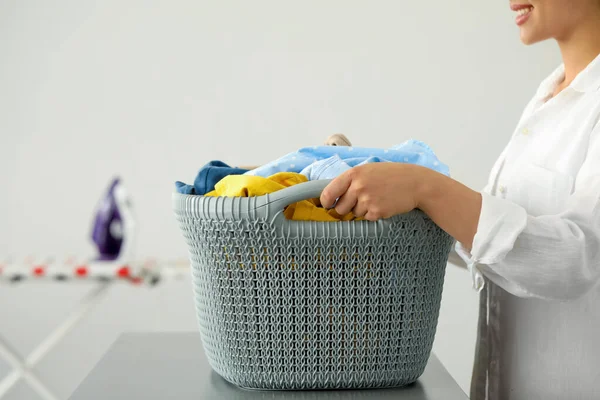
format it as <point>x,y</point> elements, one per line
<point>312,305</point>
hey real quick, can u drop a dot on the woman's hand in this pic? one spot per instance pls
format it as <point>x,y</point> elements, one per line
<point>382,190</point>
<point>376,191</point>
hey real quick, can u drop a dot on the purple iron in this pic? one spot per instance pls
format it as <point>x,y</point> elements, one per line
<point>113,224</point>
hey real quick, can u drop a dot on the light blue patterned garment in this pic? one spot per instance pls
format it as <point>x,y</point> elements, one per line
<point>328,162</point>
<point>328,168</point>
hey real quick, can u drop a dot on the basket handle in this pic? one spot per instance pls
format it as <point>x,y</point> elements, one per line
<point>293,194</point>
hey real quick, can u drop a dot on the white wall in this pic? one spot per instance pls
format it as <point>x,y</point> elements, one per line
<point>151,90</point>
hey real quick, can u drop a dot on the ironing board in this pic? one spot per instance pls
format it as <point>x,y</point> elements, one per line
<point>174,366</point>
<point>145,273</point>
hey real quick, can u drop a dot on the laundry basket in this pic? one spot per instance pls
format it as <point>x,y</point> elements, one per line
<point>312,305</point>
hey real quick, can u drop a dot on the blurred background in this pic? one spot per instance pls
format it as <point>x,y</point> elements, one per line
<point>152,90</point>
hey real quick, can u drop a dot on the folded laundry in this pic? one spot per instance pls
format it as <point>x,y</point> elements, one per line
<point>250,186</point>
<point>214,171</point>
<point>328,168</point>
<point>208,176</point>
<point>411,151</point>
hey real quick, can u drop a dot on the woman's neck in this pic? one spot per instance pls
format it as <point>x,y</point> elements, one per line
<point>580,48</point>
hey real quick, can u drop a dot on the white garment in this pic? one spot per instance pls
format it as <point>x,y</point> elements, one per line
<point>537,249</point>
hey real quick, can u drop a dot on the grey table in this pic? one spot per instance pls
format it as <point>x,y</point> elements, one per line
<point>173,366</point>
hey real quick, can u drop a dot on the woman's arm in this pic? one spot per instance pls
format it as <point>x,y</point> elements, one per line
<point>549,256</point>
<point>451,205</point>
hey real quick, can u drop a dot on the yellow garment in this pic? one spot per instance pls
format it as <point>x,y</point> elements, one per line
<point>251,186</point>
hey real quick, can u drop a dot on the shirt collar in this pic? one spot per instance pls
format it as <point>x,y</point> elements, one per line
<point>588,80</point>
<point>549,84</point>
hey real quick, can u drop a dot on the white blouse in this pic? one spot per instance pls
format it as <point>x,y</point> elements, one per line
<point>536,254</point>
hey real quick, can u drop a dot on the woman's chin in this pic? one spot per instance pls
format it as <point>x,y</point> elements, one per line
<point>528,37</point>
<point>526,40</point>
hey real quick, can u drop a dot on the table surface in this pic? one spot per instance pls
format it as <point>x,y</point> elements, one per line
<point>173,366</point>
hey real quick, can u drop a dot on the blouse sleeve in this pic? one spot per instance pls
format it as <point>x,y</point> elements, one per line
<point>553,257</point>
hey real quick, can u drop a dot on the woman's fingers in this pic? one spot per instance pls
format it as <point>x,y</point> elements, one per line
<point>372,216</point>
<point>359,210</point>
<point>346,203</point>
<point>335,190</point>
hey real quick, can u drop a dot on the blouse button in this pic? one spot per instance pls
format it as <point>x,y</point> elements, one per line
<point>525,131</point>
<point>502,189</point>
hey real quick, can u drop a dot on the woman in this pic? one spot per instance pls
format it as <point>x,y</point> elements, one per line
<point>531,238</point>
